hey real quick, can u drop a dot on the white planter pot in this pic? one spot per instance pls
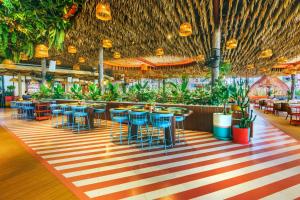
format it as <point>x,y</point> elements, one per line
<point>221,120</point>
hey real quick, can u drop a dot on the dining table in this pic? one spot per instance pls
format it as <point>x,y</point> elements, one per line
<point>161,110</point>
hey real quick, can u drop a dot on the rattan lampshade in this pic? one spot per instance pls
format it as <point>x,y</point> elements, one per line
<point>185,29</point>
<point>58,62</point>
<point>107,43</point>
<point>159,52</point>
<point>72,49</point>
<point>41,51</point>
<point>81,59</point>
<point>231,44</point>
<point>76,67</point>
<point>117,55</point>
<point>23,56</point>
<point>103,11</point>
<point>266,53</point>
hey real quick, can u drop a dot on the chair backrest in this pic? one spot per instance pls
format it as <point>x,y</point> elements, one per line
<point>136,115</point>
<point>118,112</point>
<point>13,104</point>
<point>157,118</point>
<point>65,107</point>
<point>79,108</point>
<point>54,106</point>
<point>27,104</point>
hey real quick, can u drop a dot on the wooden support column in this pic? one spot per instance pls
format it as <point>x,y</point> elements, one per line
<point>44,68</point>
<point>216,43</point>
<point>293,85</point>
<point>19,85</point>
<point>100,69</point>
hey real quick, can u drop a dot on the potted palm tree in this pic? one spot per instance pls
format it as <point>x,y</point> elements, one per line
<point>222,122</point>
<point>241,131</point>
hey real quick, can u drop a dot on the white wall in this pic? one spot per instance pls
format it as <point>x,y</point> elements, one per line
<point>7,82</point>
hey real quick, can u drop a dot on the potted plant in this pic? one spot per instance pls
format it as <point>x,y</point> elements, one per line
<point>222,122</point>
<point>241,131</point>
<point>94,92</point>
<point>9,94</point>
<point>58,91</point>
<point>76,90</point>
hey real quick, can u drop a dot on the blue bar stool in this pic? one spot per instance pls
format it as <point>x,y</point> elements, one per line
<point>19,107</point>
<point>161,121</point>
<point>66,111</point>
<point>137,120</point>
<point>80,113</point>
<point>28,110</point>
<point>98,112</point>
<point>118,116</point>
<point>179,122</point>
<point>55,112</point>
<point>13,106</point>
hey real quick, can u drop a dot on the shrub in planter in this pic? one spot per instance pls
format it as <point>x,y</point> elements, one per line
<point>241,132</point>
<point>222,121</point>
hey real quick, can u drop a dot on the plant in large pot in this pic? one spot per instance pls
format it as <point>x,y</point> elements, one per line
<point>241,131</point>
<point>222,122</point>
<point>43,93</point>
<point>9,94</point>
<point>76,91</point>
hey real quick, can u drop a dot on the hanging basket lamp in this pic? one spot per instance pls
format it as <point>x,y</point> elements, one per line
<point>282,59</point>
<point>266,53</point>
<point>200,58</point>
<point>103,11</point>
<point>8,64</point>
<point>41,51</point>
<point>23,56</point>
<point>231,44</point>
<point>185,29</point>
<point>159,52</point>
<point>76,67</point>
<point>58,62</point>
<point>117,55</point>
<point>81,59</point>
<point>250,66</point>
<point>72,49</point>
<point>107,43</point>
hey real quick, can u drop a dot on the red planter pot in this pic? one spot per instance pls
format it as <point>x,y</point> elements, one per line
<point>240,135</point>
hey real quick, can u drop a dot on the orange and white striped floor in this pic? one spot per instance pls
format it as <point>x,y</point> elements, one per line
<point>204,168</point>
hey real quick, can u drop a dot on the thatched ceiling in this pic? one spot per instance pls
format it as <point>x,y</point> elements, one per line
<point>138,27</point>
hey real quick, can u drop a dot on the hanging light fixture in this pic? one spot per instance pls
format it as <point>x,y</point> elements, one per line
<point>8,64</point>
<point>103,11</point>
<point>81,59</point>
<point>76,67</point>
<point>231,44</point>
<point>107,43</point>
<point>159,52</point>
<point>282,59</point>
<point>250,66</point>
<point>41,51</point>
<point>117,55</point>
<point>267,53</point>
<point>58,62</point>
<point>72,49</point>
<point>185,29</point>
<point>200,58</point>
<point>23,56</point>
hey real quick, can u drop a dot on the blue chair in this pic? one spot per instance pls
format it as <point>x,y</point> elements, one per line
<point>66,111</point>
<point>19,106</point>
<point>118,116</point>
<point>179,122</point>
<point>55,112</point>
<point>14,107</point>
<point>138,120</point>
<point>98,112</point>
<point>161,121</point>
<point>28,110</point>
<point>80,113</point>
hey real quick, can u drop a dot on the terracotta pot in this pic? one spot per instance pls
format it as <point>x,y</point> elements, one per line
<point>240,135</point>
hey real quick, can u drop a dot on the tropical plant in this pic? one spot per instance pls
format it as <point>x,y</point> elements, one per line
<point>76,90</point>
<point>43,93</point>
<point>111,92</point>
<point>23,24</point>
<point>181,93</point>
<point>240,91</point>
<point>94,92</point>
<point>10,90</point>
<point>58,91</point>
<point>143,92</point>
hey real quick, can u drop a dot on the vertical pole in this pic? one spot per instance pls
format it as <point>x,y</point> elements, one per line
<point>19,85</point>
<point>100,69</point>
<point>293,85</point>
<point>44,67</point>
<point>216,43</point>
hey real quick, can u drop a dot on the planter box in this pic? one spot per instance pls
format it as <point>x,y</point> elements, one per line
<point>222,126</point>
<point>240,135</point>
